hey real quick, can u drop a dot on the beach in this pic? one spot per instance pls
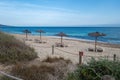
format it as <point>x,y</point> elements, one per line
<point>72,50</point>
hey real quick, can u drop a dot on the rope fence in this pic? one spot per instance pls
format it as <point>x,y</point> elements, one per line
<point>10,76</point>
<point>42,46</point>
<point>66,51</point>
<point>87,58</point>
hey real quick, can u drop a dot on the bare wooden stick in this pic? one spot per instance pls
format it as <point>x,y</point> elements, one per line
<point>80,57</point>
<point>13,77</point>
<point>52,49</point>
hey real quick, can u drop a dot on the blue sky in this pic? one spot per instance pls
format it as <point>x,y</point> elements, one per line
<point>59,12</point>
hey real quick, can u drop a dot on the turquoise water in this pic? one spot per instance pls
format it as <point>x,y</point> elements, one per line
<point>112,33</point>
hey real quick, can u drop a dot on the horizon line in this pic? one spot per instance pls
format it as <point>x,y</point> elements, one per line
<point>94,25</point>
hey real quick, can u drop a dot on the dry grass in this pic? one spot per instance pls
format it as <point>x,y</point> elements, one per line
<point>55,59</point>
<point>33,72</point>
<point>13,51</point>
<point>45,71</point>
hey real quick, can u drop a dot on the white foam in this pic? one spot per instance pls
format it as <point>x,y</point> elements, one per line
<point>69,38</point>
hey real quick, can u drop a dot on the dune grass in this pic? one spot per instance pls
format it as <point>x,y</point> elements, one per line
<point>13,50</point>
<point>33,72</point>
<point>95,70</point>
<point>45,71</point>
<point>55,59</point>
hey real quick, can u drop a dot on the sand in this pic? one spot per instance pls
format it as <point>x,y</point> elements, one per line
<point>72,51</point>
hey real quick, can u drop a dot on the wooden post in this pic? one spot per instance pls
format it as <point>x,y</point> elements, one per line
<point>52,49</point>
<point>107,57</point>
<point>114,57</point>
<point>80,57</point>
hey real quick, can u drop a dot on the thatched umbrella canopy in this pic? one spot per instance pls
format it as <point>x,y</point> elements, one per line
<point>40,31</point>
<point>61,34</point>
<point>96,35</point>
<point>26,32</point>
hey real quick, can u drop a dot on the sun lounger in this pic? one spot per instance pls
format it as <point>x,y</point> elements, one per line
<point>60,45</point>
<point>97,49</point>
<point>38,41</point>
<point>90,49</point>
<point>28,39</point>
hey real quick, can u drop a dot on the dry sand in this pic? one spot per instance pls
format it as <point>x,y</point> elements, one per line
<point>72,51</point>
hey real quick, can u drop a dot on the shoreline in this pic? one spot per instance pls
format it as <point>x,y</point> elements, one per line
<point>105,43</point>
<point>100,43</point>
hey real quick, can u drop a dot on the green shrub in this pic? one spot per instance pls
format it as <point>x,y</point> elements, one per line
<point>94,70</point>
<point>13,50</point>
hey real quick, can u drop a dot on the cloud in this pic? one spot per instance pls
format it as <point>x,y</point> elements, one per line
<point>31,14</point>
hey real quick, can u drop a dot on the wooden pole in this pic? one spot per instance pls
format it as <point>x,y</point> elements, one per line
<point>114,57</point>
<point>52,49</point>
<point>80,57</point>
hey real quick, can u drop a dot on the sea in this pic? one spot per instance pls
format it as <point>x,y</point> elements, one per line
<point>112,33</point>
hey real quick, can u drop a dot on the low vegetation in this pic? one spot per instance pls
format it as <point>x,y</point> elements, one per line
<point>13,51</point>
<point>95,70</point>
<point>58,70</point>
<point>33,72</point>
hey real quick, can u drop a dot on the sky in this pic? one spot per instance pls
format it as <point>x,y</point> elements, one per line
<point>59,12</point>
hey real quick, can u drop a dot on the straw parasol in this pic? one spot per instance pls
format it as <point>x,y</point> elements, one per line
<point>40,31</point>
<point>26,32</point>
<point>96,35</point>
<point>61,34</point>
